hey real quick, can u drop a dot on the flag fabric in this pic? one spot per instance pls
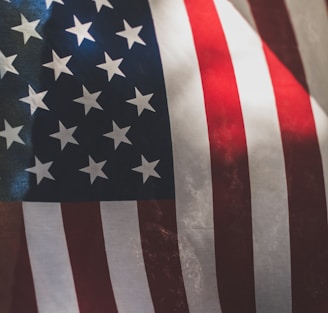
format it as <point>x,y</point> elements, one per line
<point>163,156</point>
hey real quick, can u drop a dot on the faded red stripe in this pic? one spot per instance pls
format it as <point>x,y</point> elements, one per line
<point>159,241</point>
<point>84,235</point>
<point>230,176</point>
<point>306,194</point>
<point>276,30</point>
<point>16,283</point>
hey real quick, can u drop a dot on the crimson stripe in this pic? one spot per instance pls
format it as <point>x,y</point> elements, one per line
<point>306,194</point>
<point>280,37</point>
<point>158,230</point>
<point>84,234</point>
<point>230,176</point>
<point>16,283</point>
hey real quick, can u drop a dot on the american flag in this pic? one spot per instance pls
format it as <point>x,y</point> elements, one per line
<point>163,156</point>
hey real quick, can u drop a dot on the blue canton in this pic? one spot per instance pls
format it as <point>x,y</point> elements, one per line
<point>83,112</point>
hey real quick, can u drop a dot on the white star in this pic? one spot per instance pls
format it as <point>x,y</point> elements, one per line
<point>49,2</point>
<point>80,30</point>
<point>65,135</point>
<point>118,135</point>
<point>59,65</point>
<point>35,100</point>
<point>141,101</point>
<point>147,169</point>
<point>94,170</point>
<point>89,100</point>
<point>131,34</point>
<point>101,3</point>
<point>41,170</point>
<point>27,28</point>
<point>6,64</point>
<point>111,66</point>
<point>11,134</point>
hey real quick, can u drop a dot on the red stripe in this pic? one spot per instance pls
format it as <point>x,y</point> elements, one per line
<point>306,194</point>
<point>230,176</point>
<point>275,28</point>
<point>158,232</point>
<point>16,283</point>
<point>84,234</point>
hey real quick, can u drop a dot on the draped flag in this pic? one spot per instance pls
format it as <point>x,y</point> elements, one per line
<point>163,156</point>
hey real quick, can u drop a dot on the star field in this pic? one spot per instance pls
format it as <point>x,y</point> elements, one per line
<point>83,113</point>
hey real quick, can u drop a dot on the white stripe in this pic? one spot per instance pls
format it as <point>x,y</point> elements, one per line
<point>124,255</point>
<point>191,154</point>
<point>270,216</point>
<point>310,23</point>
<point>51,268</point>
<point>321,123</point>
